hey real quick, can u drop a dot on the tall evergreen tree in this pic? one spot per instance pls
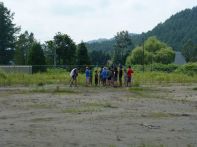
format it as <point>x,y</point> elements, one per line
<point>8,31</point>
<point>82,55</point>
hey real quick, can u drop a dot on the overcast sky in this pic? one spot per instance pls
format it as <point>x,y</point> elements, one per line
<point>92,19</point>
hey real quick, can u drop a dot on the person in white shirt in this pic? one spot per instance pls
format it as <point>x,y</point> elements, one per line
<point>73,75</point>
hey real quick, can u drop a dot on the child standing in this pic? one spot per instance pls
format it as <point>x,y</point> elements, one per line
<point>96,78</point>
<point>129,76</point>
<point>87,73</point>
<point>120,76</point>
<point>125,77</point>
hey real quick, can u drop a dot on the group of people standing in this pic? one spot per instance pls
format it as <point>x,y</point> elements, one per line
<point>106,76</point>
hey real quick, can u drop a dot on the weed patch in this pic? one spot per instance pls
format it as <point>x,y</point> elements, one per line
<point>42,119</point>
<point>42,106</point>
<point>81,110</point>
<point>195,88</point>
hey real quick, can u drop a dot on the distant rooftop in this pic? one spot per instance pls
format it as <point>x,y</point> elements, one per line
<point>179,58</point>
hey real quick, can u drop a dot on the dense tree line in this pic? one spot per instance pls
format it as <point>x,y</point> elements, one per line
<point>102,45</point>
<point>99,57</point>
<point>23,49</point>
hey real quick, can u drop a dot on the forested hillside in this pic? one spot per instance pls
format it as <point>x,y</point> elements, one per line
<point>175,31</point>
<point>178,29</point>
<point>105,45</point>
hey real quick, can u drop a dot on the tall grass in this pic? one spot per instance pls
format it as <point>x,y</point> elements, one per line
<point>162,77</point>
<point>59,76</point>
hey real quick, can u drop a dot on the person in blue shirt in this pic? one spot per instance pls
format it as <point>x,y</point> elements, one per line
<point>104,75</point>
<point>87,73</point>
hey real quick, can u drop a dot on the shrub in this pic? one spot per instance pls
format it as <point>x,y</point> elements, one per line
<point>164,67</point>
<point>189,68</point>
<point>2,74</point>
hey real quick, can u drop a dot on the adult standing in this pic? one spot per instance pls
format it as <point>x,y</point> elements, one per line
<point>100,76</point>
<point>120,75</point>
<point>73,75</point>
<point>115,76</point>
<point>125,77</point>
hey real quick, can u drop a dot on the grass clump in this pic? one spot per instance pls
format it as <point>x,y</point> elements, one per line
<point>3,74</point>
<point>89,107</point>
<point>81,110</point>
<point>56,90</point>
<point>42,119</point>
<point>150,145</point>
<point>195,88</point>
<point>100,104</point>
<point>159,115</point>
<point>42,106</point>
<point>136,89</point>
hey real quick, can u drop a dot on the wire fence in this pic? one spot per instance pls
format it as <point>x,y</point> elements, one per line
<point>81,68</point>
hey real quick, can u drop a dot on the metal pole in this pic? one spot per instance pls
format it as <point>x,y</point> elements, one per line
<point>54,59</point>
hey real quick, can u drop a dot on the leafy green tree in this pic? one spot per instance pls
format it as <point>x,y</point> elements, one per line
<point>152,44</point>
<point>23,45</point>
<point>65,49</point>
<point>155,51</point>
<point>82,55</point>
<point>123,44</point>
<point>190,51</point>
<point>37,58</point>
<point>8,32</point>
<point>165,56</point>
<point>137,57</point>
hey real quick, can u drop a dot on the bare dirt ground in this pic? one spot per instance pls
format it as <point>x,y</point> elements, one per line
<point>59,116</point>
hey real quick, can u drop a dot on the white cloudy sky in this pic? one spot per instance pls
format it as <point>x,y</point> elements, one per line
<point>91,19</point>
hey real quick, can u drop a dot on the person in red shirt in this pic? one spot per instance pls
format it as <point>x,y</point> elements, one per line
<point>129,76</point>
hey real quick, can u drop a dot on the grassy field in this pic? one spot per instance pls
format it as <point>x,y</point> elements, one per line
<point>60,76</point>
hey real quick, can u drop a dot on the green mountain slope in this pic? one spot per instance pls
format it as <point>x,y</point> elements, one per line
<point>175,31</point>
<point>178,29</point>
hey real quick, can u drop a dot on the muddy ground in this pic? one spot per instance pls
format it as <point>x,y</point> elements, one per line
<point>59,116</point>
